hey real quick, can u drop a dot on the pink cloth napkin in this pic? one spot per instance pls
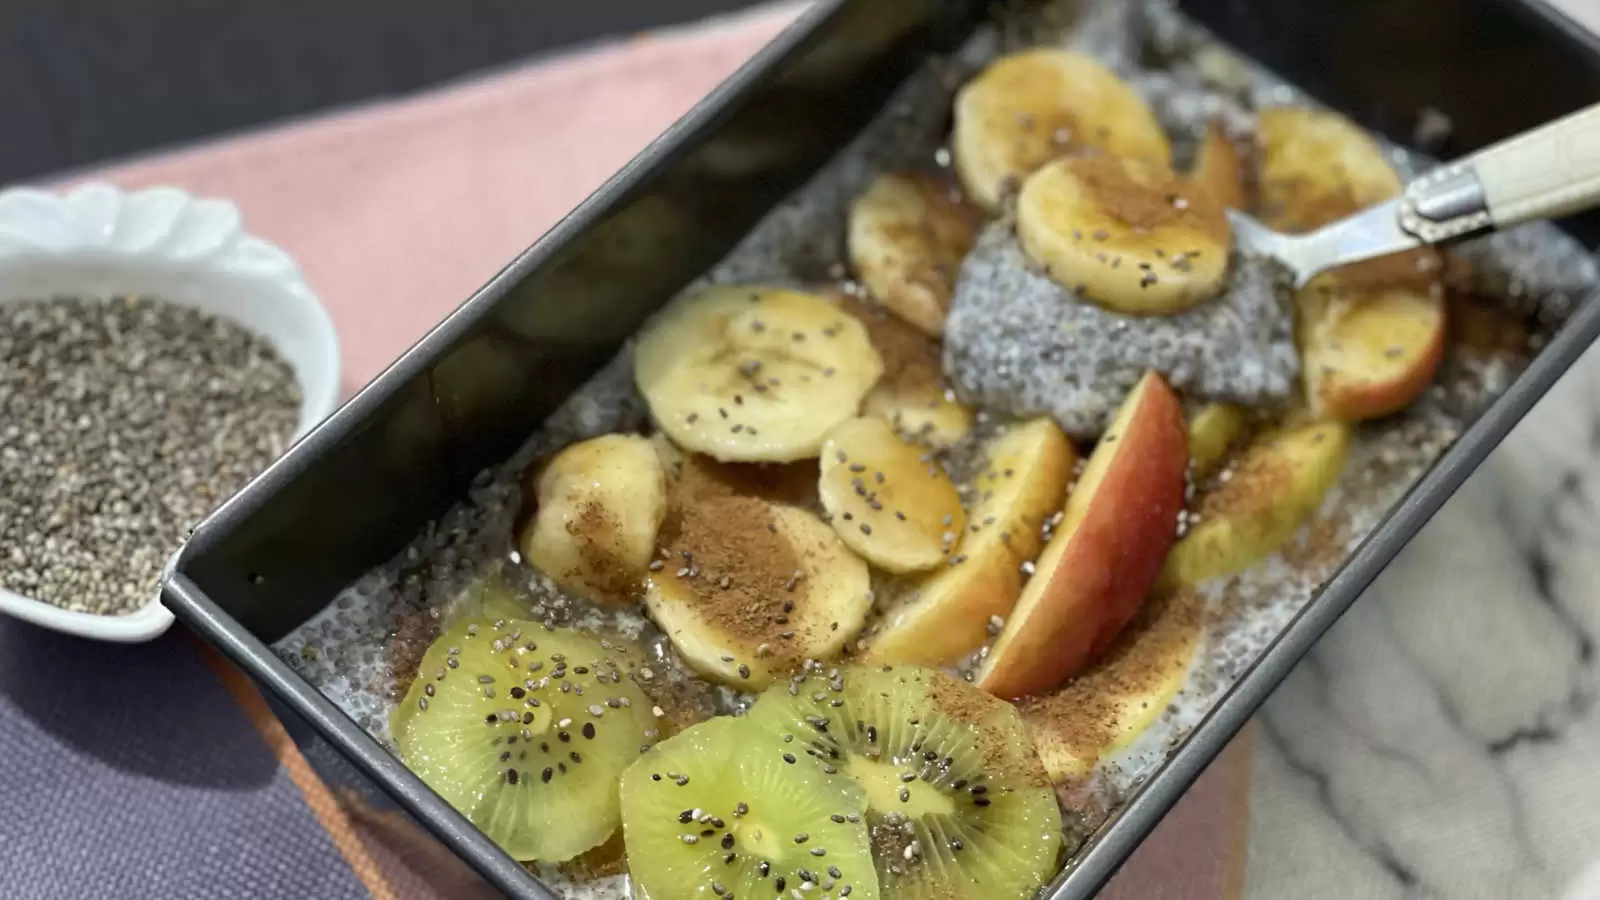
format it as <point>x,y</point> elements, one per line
<point>398,211</point>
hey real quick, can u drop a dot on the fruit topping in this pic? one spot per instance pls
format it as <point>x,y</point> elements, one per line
<point>525,730</point>
<point>752,374</point>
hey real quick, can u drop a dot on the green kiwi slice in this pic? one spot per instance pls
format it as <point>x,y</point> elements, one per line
<point>723,811</point>
<point>525,730</point>
<point>959,805</point>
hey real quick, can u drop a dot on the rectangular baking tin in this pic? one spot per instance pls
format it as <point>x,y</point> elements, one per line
<point>356,490</point>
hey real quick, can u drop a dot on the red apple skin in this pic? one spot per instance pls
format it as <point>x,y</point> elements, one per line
<point>1107,553</point>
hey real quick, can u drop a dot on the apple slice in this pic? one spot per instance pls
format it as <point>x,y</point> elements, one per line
<point>886,500</point>
<point>940,618</point>
<point>1214,430</point>
<point>1117,698</point>
<point>1259,501</point>
<point>1371,334</point>
<point>1106,552</point>
<point>1316,168</point>
<point>1368,352</point>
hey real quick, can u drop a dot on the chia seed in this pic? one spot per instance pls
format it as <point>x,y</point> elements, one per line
<point>123,422</point>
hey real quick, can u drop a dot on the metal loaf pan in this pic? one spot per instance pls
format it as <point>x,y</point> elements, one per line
<point>357,489</point>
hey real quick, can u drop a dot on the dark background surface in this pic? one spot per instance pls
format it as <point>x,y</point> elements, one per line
<point>83,81</point>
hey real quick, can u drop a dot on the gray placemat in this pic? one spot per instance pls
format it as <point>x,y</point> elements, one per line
<point>130,771</point>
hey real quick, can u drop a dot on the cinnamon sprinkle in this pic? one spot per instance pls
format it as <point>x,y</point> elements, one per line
<point>910,358</point>
<point>738,563</point>
<point>1256,477</point>
<point>1141,196</point>
<point>1084,717</point>
<point>597,534</point>
<point>996,750</point>
<point>697,478</point>
<point>1479,327</point>
<point>1324,546</point>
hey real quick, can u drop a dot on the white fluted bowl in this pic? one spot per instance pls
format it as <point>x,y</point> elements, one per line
<point>99,241</point>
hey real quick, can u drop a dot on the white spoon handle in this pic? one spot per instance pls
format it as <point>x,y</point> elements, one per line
<point>1542,174</point>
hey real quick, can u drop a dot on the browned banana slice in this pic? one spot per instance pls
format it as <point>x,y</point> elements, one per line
<point>906,239</point>
<point>1130,235</point>
<point>1028,108</point>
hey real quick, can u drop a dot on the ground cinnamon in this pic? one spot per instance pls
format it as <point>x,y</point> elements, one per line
<point>909,356</point>
<point>1148,197</point>
<point>1255,478</point>
<point>1323,546</point>
<point>1480,327</point>
<point>597,533</point>
<point>1088,713</point>
<point>996,749</point>
<point>695,479</point>
<point>740,566</point>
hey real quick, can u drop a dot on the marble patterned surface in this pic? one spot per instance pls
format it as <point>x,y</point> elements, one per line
<point>1443,740</point>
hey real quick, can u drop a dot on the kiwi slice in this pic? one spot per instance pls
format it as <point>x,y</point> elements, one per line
<point>525,729</point>
<point>722,811</point>
<point>959,805</point>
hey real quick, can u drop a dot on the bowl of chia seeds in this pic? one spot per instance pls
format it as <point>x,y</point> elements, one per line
<point>153,359</point>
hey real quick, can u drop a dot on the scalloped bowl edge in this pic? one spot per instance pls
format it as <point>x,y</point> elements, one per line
<point>98,241</point>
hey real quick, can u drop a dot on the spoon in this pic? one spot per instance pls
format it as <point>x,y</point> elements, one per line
<point>1540,174</point>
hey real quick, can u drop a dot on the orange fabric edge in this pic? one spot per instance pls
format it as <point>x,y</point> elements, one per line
<point>330,814</point>
<point>1233,875</point>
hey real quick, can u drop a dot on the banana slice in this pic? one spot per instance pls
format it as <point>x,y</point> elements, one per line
<point>889,503</point>
<point>1219,169</point>
<point>1317,167</point>
<point>906,239</point>
<point>911,395</point>
<point>1127,234</point>
<point>1028,108</point>
<point>600,503</point>
<point>752,374</point>
<point>747,590</point>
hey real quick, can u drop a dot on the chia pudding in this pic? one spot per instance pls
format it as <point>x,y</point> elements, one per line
<point>1019,343</point>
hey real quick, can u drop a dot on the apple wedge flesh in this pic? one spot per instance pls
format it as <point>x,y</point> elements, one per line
<point>939,618</point>
<point>1273,487</point>
<point>1105,554</point>
<point>1369,352</point>
<point>1121,695</point>
<point>1213,431</point>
